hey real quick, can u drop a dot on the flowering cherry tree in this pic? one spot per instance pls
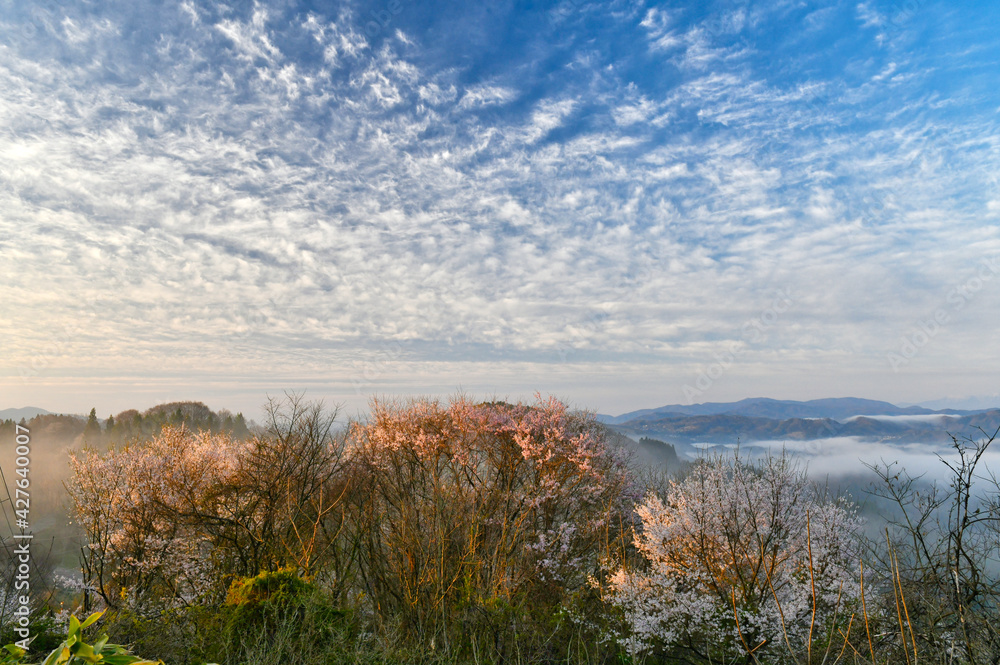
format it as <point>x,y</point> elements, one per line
<point>173,520</point>
<point>127,501</point>
<point>475,504</point>
<point>738,556</point>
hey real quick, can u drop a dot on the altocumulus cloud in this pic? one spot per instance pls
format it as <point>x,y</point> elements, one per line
<point>597,195</point>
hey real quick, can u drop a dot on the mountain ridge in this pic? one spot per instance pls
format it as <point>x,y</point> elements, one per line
<point>836,408</point>
<point>734,428</point>
<point>26,412</point>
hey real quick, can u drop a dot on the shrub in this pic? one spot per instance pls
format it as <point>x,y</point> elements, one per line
<point>738,552</point>
<point>479,514</point>
<point>278,587</point>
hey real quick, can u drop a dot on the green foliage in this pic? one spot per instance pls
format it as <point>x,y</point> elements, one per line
<point>308,629</point>
<point>183,635</point>
<point>275,603</point>
<point>317,629</point>
<point>276,587</point>
<point>75,651</point>
<point>45,633</point>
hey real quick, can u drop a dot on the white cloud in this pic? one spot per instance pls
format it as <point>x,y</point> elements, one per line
<point>485,95</point>
<point>630,114</point>
<point>251,37</point>
<point>657,23</point>
<point>316,209</point>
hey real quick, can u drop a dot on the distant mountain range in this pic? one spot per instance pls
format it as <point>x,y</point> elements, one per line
<point>762,419</point>
<point>27,413</point>
<point>978,403</point>
<point>762,407</point>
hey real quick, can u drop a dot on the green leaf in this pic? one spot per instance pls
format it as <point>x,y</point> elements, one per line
<point>87,653</point>
<point>74,625</point>
<point>121,659</point>
<point>60,654</point>
<point>91,619</point>
<point>15,655</point>
<point>99,644</point>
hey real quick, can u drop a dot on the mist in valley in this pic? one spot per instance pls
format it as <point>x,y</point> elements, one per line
<point>848,467</point>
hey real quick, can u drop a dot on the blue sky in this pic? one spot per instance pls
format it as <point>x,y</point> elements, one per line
<point>625,204</point>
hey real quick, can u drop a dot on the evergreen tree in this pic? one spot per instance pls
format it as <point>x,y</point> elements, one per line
<point>111,429</point>
<point>240,426</point>
<point>92,431</point>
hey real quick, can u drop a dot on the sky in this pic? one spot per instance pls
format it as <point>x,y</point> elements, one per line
<point>624,204</point>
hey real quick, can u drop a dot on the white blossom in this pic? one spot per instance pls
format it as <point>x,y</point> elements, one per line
<point>733,533</point>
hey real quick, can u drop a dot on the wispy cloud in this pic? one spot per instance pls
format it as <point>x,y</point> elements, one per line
<point>279,177</point>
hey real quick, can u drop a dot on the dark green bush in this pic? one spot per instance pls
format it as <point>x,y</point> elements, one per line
<point>45,633</point>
